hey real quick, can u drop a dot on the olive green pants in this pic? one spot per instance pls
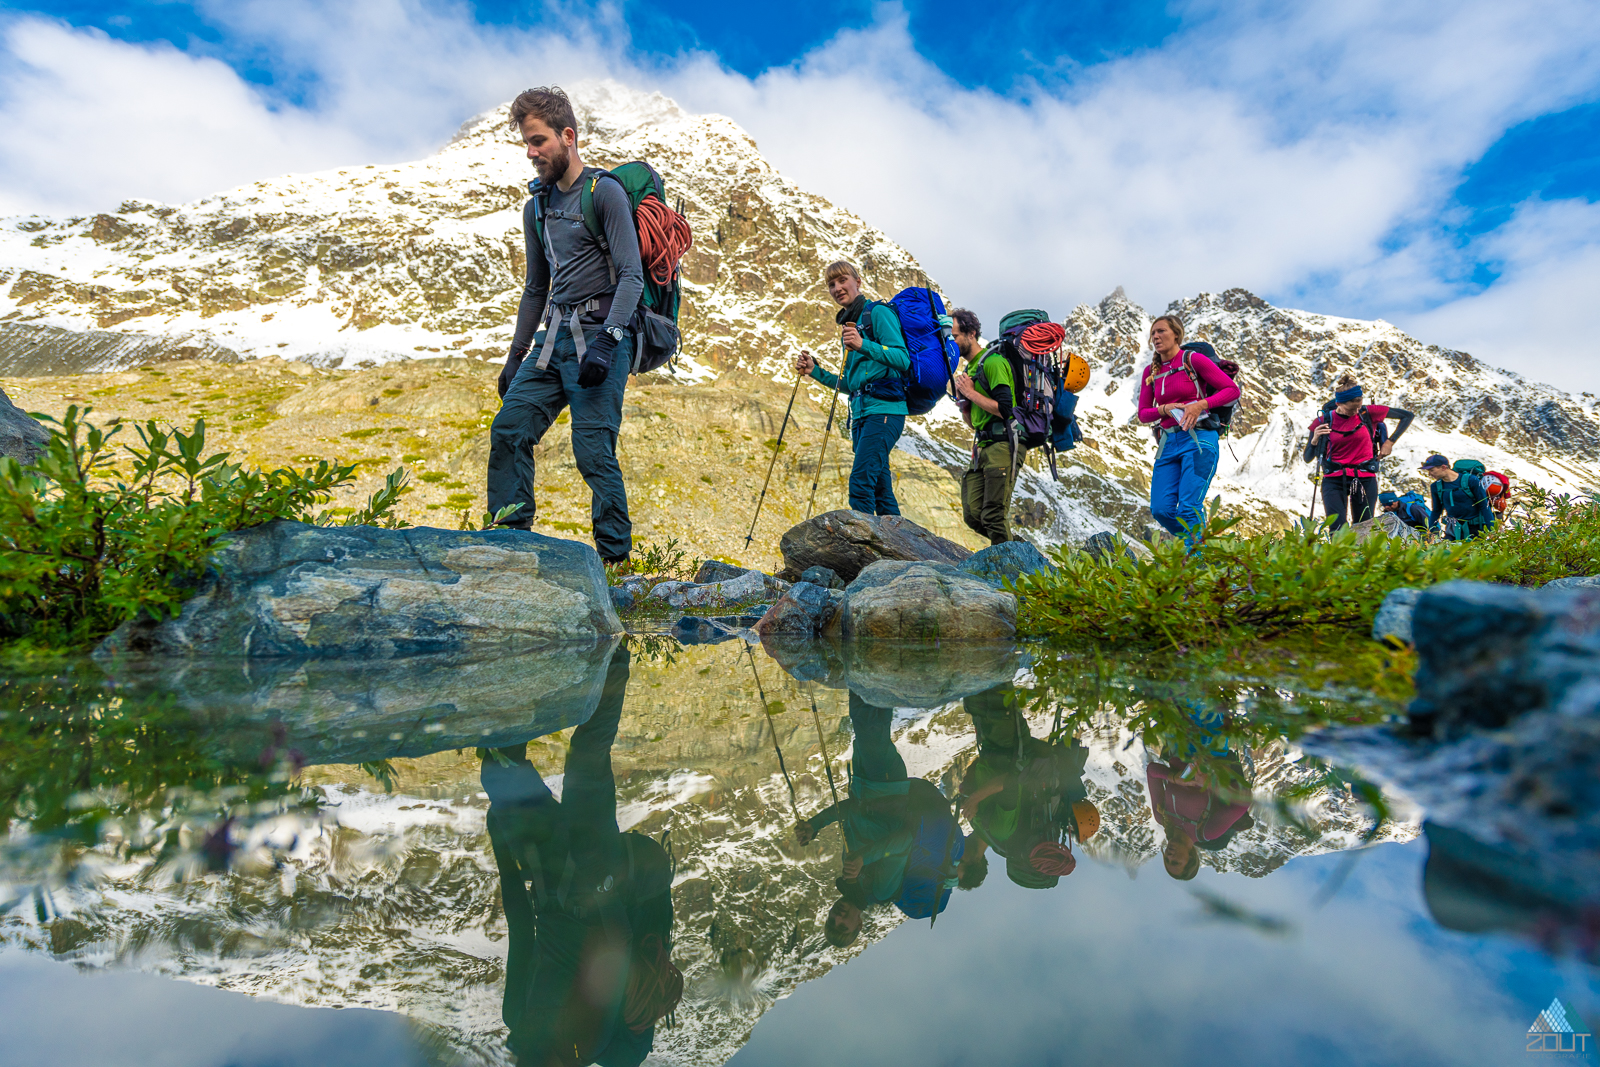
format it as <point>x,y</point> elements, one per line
<point>986,491</point>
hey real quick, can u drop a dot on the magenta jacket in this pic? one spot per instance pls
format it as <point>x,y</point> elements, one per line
<point>1172,385</point>
<point>1201,813</point>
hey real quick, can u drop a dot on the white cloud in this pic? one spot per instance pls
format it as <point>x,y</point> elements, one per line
<point>1535,318</point>
<point>1277,148</point>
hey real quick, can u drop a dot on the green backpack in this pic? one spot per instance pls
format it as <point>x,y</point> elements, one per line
<point>1469,466</point>
<point>655,324</point>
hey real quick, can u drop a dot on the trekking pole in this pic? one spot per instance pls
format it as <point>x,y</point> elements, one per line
<point>776,448</point>
<point>827,432</point>
<point>767,709</point>
<point>827,765</point>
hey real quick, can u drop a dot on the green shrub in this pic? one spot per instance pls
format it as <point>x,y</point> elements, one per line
<point>1546,537</point>
<point>82,549</point>
<point>1235,587</point>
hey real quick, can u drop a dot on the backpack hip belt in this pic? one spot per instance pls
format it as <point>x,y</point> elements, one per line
<point>573,315</point>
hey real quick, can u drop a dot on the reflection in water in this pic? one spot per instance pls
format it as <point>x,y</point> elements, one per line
<point>1024,797</point>
<point>588,908</point>
<point>902,843</point>
<point>520,899</point>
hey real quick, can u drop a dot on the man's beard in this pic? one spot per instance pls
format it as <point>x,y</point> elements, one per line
<point>554,169</point>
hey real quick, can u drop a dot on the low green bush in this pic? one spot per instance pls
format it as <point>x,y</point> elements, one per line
<point>94,532</point>
<point>1547,536</point>
<point>1306,578</point>
<point>1236,587</point>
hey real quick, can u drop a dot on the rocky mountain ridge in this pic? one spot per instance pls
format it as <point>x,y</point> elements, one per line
<point>368,265</point>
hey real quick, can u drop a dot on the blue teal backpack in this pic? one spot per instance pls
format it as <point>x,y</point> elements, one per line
<point>934,355</point>
<point>1413,510</point>
<point>937,845</point>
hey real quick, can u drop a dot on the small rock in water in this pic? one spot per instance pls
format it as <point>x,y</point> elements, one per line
<point>621,597</point>
<point>1393,620</point>
<point>820,575</point>
<point>801,612</point>
<point>693,630</point>
<point>1008,560</point>
<point>925,601</point>
<point>748,585</point>
<point>663,590</point>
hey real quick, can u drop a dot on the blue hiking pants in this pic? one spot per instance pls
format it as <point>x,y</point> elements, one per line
<point>871,484</point>
<point>531,405</point>
<point>1185,465</point>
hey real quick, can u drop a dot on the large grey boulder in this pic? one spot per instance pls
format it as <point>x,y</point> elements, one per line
<point>289,589</point>
<point>846,541</point>
<point>896,600</point>
<point>359,710</point>
<point>1006,562</point>
<point>1393,621</point>
<point>1488,653</point>
<point>21,436</point>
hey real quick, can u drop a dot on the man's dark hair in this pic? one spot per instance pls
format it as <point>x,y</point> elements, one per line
<point>549,104</point>
<point>967,321</point>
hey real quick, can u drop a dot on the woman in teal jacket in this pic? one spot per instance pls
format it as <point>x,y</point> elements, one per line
<point>875,366</point>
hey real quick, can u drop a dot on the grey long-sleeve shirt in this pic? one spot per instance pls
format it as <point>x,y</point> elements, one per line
<point>575,270</point>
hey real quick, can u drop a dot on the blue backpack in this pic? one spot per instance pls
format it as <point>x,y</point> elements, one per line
<point>1413,509</point>
<point>934,355</point>
<point>937,845</point>
<point>1067,437</point>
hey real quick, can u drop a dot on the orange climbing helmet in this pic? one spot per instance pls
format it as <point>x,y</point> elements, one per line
<point>1074,373</point>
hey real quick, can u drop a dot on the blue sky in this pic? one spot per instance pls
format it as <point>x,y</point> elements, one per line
<point>1435,165</point>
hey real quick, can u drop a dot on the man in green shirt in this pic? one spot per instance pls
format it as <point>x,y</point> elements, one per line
<point>986,399</point>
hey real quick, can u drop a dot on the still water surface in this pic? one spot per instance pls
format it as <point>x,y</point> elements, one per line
<point>487,862</point>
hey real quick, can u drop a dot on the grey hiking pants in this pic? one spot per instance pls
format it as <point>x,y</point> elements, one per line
<point>531,405</point>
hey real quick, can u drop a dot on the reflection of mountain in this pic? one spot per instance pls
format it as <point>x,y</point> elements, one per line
<point>397,907</point>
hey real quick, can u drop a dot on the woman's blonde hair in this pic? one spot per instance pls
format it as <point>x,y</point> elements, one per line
<point>1346,381</point>
<point>840,269</point>
<point>1173,322</point>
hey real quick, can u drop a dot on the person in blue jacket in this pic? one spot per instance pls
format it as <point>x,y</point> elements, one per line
<point>876,363</point>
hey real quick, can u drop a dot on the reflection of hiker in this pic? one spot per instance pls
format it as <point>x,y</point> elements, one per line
<point>986,399</point>
<point>590,290</point>
<point>1461,508</point>
<point>1024,797</point>
<point>588,909</point>
<point>875,367</point>
<point>1179,390</point>
<point>1195,809</point>
<point>1349,439</point>
<point>877,832</point>
<point>1411,509</point>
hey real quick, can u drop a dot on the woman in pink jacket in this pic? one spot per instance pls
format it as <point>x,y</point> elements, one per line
<point>1179,390</point>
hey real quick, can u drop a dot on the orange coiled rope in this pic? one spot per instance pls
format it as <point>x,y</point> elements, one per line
<point>663,238</point>
<point>1043,337</point>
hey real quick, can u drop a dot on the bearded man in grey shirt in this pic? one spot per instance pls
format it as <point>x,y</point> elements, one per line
<point>585,287</point>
